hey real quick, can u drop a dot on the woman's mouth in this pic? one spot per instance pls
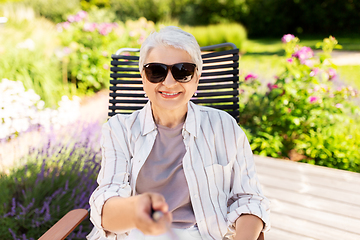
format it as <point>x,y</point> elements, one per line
<point>169,94</point>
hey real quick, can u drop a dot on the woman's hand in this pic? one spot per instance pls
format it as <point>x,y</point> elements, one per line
<point>123,214</point>
<point>145,204</point>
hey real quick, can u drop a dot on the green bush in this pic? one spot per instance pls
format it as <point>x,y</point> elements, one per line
<point>275,17</point>
<point>154,10</point>
<point>27,47</point>
<point>87,48</point>
<point>219,33</point>
<point>55,10</point>
<point>303,116</point>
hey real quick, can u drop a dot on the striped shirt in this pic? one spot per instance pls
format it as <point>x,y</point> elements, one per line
<point>218,166</point>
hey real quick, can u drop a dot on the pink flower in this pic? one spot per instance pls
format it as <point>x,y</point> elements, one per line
<point>287,38</point>
<point>89,27</point>
<point>314,71</point>
<point>71,18</point>
<point>313,99</point>
<point>339,105</point>
<point>82,14</point>
<point>61,26</point>
<point>77,18</point>
<point>356,92</point>
<point>332,73</point>
<point>272,86</point>
<point>304,54</point>
<point>289,60</point>
<point>308,62</point>
<point>105,28</point>
<point>251,76</point>
<point>104,53</point>
<point>106,67</point>
<point>66,50</point>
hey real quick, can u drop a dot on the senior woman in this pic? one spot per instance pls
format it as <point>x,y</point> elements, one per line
<point>192,164</point>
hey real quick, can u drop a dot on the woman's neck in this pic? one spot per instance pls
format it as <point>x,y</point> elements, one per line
<point>169,118</point>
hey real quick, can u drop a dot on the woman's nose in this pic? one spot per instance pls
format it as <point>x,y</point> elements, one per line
<point>169,80</point>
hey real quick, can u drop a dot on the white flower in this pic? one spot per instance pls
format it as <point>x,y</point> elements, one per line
<point>27,44</point>
<point>20,109</point>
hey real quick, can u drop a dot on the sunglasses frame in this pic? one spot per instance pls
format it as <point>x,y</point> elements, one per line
<point>169,68</point>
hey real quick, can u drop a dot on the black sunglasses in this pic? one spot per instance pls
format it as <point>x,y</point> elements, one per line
<point>157,72</point>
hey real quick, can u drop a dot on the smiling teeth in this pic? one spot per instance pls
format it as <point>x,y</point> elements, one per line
<point>169,94</point>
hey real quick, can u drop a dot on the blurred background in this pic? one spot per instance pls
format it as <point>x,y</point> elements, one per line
<point>299,75</point>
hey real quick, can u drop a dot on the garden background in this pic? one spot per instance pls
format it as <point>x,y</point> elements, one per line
<point>296,101</point>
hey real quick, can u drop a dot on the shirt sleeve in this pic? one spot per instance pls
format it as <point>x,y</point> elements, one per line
<point>113,178</point>
<point>246,196</point>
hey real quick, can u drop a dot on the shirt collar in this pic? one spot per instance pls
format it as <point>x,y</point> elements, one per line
<point>191,125</point>
<point>146,119</point>
<point>192,122</point>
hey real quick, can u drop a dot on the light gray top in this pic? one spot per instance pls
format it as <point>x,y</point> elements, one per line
<point>163,173</point>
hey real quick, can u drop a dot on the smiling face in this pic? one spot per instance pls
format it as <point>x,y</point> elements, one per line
<point>169,95</point>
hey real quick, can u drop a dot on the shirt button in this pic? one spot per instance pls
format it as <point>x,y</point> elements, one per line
<point>196,196</point>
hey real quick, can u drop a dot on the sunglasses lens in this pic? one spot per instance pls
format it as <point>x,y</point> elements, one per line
<point>155,72</point>
<point>183,72</point>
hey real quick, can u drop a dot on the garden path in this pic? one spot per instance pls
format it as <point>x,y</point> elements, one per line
<point>345,57</point>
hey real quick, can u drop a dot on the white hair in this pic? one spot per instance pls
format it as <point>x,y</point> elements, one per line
<point>174,37</point>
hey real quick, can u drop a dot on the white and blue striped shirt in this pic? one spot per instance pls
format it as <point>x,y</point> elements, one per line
<point>218,166</point>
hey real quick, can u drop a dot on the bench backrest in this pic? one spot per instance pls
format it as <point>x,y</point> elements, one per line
<point>218,84</point>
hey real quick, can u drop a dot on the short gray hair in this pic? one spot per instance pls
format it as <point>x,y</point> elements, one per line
<point>174,37</point>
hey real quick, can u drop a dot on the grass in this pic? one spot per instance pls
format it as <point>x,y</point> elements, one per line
<point>262,57</point>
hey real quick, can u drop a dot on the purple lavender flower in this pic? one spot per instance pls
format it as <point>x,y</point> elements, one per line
<point>13,234</point>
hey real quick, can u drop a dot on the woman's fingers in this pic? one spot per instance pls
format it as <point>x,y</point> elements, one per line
<point>158,202</point>
<point>145,205</point>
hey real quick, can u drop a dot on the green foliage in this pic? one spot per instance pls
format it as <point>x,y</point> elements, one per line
<point>26,53</point>
<point>261,18</point>
<point>219,33</point>
<point>87,48</point>
<point>55,10</point>
<point>302,115</point>
<point>87,5</point>
<point>154,10</point>
<point>275,17</point>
